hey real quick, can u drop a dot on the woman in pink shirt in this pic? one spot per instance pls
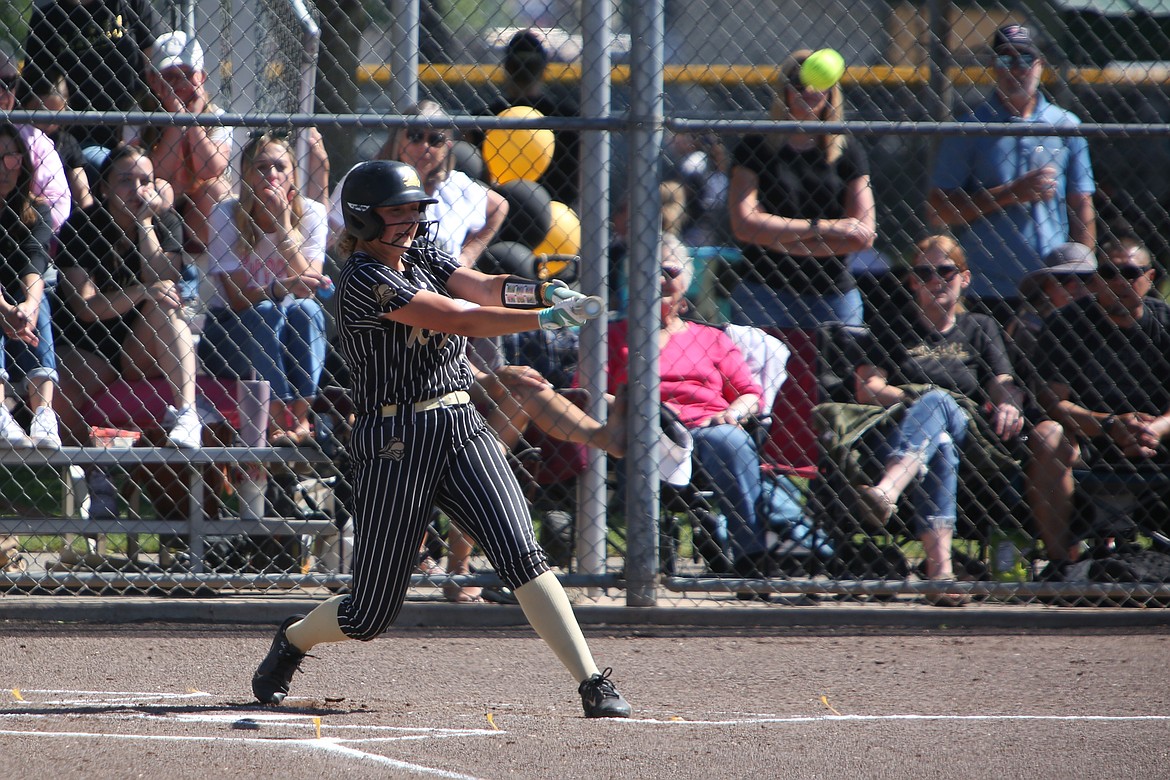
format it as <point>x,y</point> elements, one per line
<point>707,383</point>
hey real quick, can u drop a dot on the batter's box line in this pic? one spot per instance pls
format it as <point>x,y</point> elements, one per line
<point>679,721</point>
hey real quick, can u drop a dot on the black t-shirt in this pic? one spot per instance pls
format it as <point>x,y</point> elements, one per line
<point>561,177</point>
<point>803,185</point>
<point>90,240</point>
<point>24,249</point>
<point>97,45</point>
<point>964,359</point>
<point>1108,368</point>
<point>68,150</point>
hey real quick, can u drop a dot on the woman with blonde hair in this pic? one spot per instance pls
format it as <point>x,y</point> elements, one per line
<point>267,250</point>
<point>799,204</point>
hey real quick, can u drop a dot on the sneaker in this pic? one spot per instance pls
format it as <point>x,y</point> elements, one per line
<point>44,430</point>
<point>103,496</point>
<point>11,434</point>
<point>600,699</point>
<point>271,680</point>
<point>187,430</point>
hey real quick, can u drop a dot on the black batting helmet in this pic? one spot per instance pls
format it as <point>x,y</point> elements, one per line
<point>375,183</point>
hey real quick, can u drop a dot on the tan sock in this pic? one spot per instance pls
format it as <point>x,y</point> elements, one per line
<point>318,626</point>
<point>548,610</point>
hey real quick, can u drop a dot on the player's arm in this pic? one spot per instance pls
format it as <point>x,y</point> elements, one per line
<point>1082,218</point>
<point>445,315</point>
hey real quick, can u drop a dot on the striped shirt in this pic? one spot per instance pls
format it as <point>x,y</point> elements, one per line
<point>393,363</point>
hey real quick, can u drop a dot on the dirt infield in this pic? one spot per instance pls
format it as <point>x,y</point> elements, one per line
<point>172,701</point>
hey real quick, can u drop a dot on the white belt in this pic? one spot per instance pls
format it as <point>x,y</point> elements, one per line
<point>457,398</point>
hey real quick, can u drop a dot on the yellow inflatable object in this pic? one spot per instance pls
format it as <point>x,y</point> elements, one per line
<point>564,232</point>
<point>518,154</point>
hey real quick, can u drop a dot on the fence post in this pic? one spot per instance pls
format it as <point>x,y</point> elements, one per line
<point>647,105</point>
<point>592,526</point>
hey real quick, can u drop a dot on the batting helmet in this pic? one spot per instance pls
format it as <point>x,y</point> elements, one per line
<point>375,183</point>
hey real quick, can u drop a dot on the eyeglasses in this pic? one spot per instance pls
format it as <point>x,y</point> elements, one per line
<point>925,273</point>
<point>432,139</point>
<point>670,272</point>
<point>1130,273</point>
<point>1015,61</point>
<point>12,160</point>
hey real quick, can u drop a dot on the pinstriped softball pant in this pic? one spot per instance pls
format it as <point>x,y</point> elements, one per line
<point>404,465</point>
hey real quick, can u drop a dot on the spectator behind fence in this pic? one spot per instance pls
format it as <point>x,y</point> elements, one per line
<point>1012,199</point>
<point>195,160</point>
<point>467,215</point>
<point>267,252</point>
<point>525,63</point>
<point>119,262</point>
<point>1106,362</point>
<point>707,382</point>
<point>700,162</point>
<point>955,355</point>
<point>52,94</point>
<point>24,312</point>
<point>102,47</point>
<point>49,181</point>
<point>800,205</point>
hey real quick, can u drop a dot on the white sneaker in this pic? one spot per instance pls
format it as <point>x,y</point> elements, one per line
<point>11,434</point>
<point>187,432</point>
<point>44,430</point>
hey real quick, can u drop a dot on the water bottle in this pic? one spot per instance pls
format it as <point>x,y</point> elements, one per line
<point>1009,560</point>
<point>326,290</point>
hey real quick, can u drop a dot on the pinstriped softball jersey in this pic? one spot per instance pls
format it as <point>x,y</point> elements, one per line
<point>406,464</point>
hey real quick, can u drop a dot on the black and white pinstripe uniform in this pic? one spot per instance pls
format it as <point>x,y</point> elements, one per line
<point>407,463</point>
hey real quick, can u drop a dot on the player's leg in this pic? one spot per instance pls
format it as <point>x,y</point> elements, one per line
<point>393,494</point>
<point>482,495</point>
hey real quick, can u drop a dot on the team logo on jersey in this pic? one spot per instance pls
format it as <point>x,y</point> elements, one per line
<point>422,337</point>
<point>395,450</point>
<point>383,294</point>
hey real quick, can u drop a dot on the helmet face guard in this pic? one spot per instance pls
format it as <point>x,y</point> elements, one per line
<point>375,184</point>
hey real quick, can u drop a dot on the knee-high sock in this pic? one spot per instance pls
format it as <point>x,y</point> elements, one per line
<point>548,610</point>
<point>318,626</point>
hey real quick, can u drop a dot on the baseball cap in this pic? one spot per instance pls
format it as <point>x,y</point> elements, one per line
<point>1068,258</point>
<point>1014,36</point>
<point>176,49</point>
<point>525,46</point>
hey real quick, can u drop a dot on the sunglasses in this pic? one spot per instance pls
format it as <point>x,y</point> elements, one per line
<point>670,272</point>
<point>925,273</point>
<point>1130,273</point>
<point>1067,278</point>
<point>1015,61</point>
<point>432,139</point>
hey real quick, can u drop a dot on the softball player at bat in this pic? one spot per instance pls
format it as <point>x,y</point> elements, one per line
<point>417,441</point>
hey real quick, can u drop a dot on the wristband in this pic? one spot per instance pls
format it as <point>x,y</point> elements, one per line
<point>520,293</point>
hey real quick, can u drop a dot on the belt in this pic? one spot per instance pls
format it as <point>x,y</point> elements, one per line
<point>457,398</point>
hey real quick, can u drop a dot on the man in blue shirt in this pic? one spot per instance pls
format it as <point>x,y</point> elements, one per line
<point>1012,199</point>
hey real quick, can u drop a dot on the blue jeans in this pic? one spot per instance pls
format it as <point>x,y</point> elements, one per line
<point>38,361</point>
<point>935,428</point>
<point>282,343</point>
<point>727,456</point>
<point>754,303</point>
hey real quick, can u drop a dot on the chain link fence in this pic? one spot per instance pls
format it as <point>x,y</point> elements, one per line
<point>885,284</point>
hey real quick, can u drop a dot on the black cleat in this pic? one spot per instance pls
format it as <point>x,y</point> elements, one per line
<point>600,699</point>
<point>272,677</point>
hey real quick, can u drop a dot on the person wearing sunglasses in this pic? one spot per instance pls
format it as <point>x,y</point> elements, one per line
<point>466,215</point>
<point>958,355</point>
<point>49,180</point>
<point>799,205</point>
<point>1105,361</point>
<point>1012,199</point>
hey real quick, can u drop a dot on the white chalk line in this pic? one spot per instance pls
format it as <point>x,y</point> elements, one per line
<point>327,744</point>
<point>871,718</point>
